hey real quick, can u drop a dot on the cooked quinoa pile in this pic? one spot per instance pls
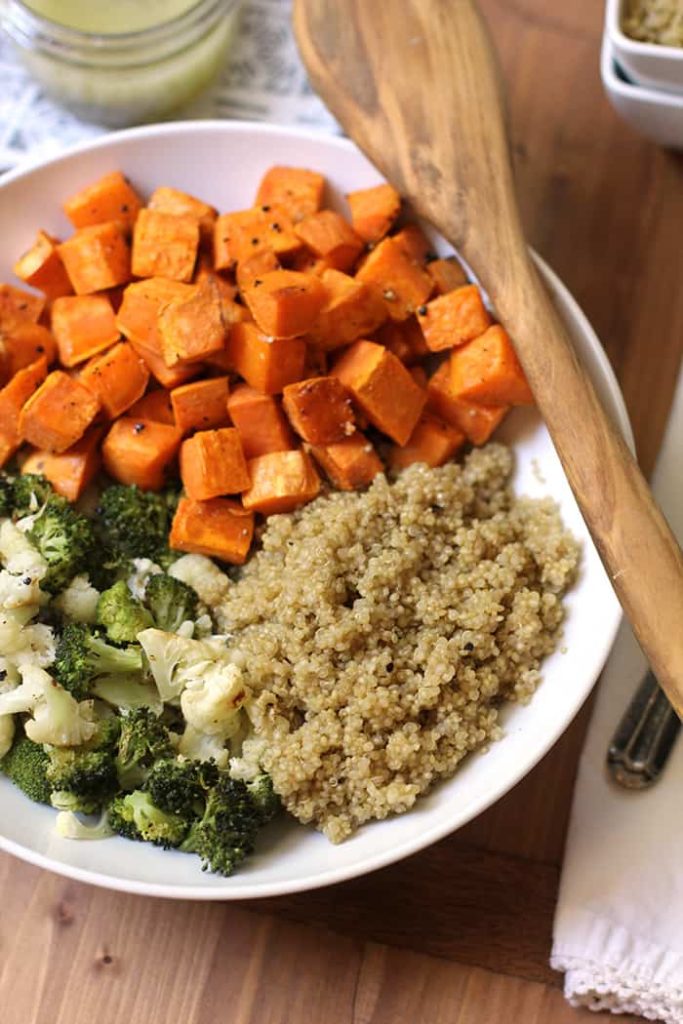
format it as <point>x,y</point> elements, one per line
<point>654,21</point>
<point>381,631</point>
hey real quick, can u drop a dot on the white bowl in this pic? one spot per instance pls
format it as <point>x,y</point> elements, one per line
<point>222,162</point>
<point>656,115</point>
<point>649,64</point>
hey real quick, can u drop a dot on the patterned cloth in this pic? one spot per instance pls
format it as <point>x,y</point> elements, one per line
<point>264,80</point>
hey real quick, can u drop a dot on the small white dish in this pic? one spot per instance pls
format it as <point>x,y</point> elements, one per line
<point>222,162</point>
<point>648,64</point>
<point>655,114</point>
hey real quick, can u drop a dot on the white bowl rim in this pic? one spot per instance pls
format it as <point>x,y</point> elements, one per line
<point>433,835</point>
<point>659,51</point>
<point>632,90</point>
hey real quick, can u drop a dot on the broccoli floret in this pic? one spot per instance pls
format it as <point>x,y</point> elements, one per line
<point>170,601</point>
<point>226,832</point>
<point>122,615</point>
<point>65,540</point>
<point>135,523</point>
<point>26,765</point>
<point>181,786</point>
<point>6,497</point>
<point>106,735</point>
<point>144,739</point>
<point>82,656</point>
<point>135,816</point>
<point>82,780</point>
<point>30,493</point>
<point>264,796</point>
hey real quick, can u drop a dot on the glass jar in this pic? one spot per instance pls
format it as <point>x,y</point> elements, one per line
<point>121,78</point>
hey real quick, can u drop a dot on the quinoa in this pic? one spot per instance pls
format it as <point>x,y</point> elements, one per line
<point>381,631</point>
<point>654,21</point>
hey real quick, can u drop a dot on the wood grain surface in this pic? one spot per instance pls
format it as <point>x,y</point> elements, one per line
<point>459,934</point>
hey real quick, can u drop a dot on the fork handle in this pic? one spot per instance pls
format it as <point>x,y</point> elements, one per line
<point>644,737</point>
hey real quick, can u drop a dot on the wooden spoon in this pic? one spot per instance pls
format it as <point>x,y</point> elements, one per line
<point>416,85</point>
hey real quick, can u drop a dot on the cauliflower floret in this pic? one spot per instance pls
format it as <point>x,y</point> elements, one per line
<point>248,765</point>
<point>6,733</point>
<point>200,747</point>
<point>19,591</point>
<point>17,553</point>
<point>175,660</point>
<point>12,624</point>
<point>210,704</point>
<point>38,646</point>
<point>143,568</point>
<point>78,602</point>
<point>204,576</point>
<point>57,718</point>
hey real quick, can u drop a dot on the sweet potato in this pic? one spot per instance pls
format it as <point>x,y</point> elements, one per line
<point>477,422</point>
<point>192,328</point>
<point>419,375</point>
<point>172,200</point>
<point>432,442</point>
<point>351,310</point>
<point>404,338</point>
<point>251,269</point>
<point>231,313</point>
<point>165,245</point>
<point>285,303</point>
<point>400,282</point>
<point>58,413</point>
<point>413,243</point>
<point>201,405</point>
<point>204,271</point>
<point>319,409</point>
<point>374,210</point>
<point>156,406</point>
<point>488,371</point>
<point>70,471</point>
<point>212,463</point>
<point>329,236</point>
<point>239,235</point>
<point>382,387</point>
<point>265,363</point>
<point>296,190</point>
<point>349,464</point>
<point>21,345</point>
<point>219,528</point>
<point>119,378</point>
<point>17,306</point>
<point>260,422</point>
<point>96,258</point>
<point>454,318</point>
<point>167,376</point>
<point>140,452</point>
<point>447,274</point>
<point>306,262</point>
<point>143,301</point>
<point>83,325</point>
<point>112,198</point>
<point>280,482</point>
<point>12,399</point>
<point>42,268</point>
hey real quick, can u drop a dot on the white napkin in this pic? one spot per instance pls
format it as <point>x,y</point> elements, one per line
<point>618,932</point>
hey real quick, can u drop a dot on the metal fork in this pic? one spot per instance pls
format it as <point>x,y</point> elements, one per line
<point>644,737</point>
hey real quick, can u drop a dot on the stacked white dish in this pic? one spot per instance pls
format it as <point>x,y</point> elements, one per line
<point>644,81</point>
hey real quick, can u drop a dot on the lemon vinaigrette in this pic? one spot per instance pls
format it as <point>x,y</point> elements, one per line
<point>122,62</point>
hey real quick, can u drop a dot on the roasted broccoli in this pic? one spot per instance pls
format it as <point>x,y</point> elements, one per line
<point>122,615</point>
<point>30,493</point>
<point>134,523</point>
<point>6,497</point>
<point>82,780</point>
<point>264,796</point>
<point>82,656</point>
<point>180,786</point>
<point>26,765</point>
<point>135,816</point>
<point>144,739</point>
<point>226,832</point>
<point>66,540</point>
<point>170,601</point>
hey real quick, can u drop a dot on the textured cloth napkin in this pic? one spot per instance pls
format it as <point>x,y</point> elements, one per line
<point>619,923</point>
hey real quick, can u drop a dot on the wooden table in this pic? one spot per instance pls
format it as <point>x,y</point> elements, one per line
<point>460,933</point>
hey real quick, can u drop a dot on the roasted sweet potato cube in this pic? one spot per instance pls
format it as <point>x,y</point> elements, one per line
<point>298,191</point>
<point>403,285</point>
<point>119,378</point>
<point>306,262</point>
<point>165,245</point>
<point>404,338</point>
<point>351,310</point>
<point>96,258</point>
<point>204,271</point>
<point>58,413</point>
<point>167,376</point>
<point>382,387</point>
<point>488,371</point>
<point>72,470</point>
<point>328,235</point>
<point>477,422</point>
<point>349,464</point>
<point>112,198</point>
<point>83,325</point>
<point>42,267</point>
<point>285,303</point>
<point>260,422</point>
<point>454,318</point>
<point>414,243</point>
<point>319,409</point>
<point>219,528</point>
<point>143,301</point>
<point>192,328</point>
<point>201,405</point>
<point>446,274</point>
<point>17,306</point>
<point>140,452</point>
<point>212,463</point>
<point>239,235</point>
<point>172,200</point>
<point>156,406</point>
<point>280,482</point>
<point>12,399</point>
<point>374,210</point>
<point>432,442</point>
<point>22,344</point>
<point>419,375</point>
<point>268,364</point>
<point>251,270</point>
